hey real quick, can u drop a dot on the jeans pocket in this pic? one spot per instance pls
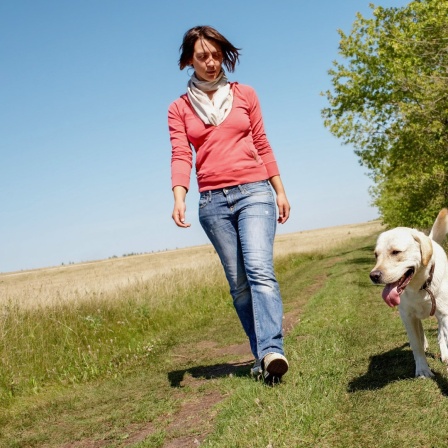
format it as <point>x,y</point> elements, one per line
<point>203,200</point>
<point>257,188</point>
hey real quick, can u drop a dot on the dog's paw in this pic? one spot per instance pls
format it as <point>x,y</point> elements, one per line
<point>423,372</point>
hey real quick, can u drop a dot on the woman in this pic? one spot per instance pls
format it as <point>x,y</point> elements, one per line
<point>235,169</point>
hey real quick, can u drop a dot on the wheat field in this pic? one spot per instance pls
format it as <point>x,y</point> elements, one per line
<point>49,286</point>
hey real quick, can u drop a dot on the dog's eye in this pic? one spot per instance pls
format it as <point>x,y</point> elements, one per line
<point>376,255</point>
<point>396,252</point>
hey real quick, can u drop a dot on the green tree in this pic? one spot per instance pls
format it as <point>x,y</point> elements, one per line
<point>389,100</point>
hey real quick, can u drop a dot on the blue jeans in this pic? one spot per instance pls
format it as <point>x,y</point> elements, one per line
<point>240,222</point>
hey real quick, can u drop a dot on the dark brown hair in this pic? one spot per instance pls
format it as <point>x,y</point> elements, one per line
<point>230,53</point>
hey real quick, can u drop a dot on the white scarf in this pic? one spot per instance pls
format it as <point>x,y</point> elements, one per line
<point>210,112</point>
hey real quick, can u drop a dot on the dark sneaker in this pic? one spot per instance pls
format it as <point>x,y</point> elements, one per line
<point>274,366</point>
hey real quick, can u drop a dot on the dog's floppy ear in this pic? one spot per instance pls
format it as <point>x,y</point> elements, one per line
<point>425,245</point>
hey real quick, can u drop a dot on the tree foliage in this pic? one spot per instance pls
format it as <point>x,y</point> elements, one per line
<point>389,99</point>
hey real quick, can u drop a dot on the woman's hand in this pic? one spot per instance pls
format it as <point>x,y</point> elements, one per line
<point>282,202</point>
<point>179,206</point>
<point>283,208</point>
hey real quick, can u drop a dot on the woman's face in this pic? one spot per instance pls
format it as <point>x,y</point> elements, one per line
<point>207,59</point>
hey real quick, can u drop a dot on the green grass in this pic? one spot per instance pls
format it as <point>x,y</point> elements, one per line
<point>100,337</point>
<point>132,370</point>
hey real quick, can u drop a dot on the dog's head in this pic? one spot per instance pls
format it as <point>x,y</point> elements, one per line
<point>400,253</point>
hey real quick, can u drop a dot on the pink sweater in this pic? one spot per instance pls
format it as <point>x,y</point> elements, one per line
<point>235,152</point>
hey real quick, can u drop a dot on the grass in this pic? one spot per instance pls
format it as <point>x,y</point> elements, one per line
<point>156,364</point>
<point>353,384</point>
<point>76,342</point>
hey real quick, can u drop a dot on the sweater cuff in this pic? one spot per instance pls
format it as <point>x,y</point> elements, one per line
<point>179,179</point>
<point>272,169</point>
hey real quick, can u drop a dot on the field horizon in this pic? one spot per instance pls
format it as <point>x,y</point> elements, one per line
<point>44,285</point>
<point>359,228</point>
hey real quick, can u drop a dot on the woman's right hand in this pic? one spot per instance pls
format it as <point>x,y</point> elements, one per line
<point>179,206</point>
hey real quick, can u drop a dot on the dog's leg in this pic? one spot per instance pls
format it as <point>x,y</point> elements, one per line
<point>421,335</point>
<point>416,337</point>
<point>425,343</point>
<point>442,337</point>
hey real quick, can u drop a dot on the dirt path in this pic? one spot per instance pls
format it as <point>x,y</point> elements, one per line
<point>196,415</point>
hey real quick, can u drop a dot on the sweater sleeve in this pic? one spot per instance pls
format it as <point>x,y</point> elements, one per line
<point>181,152</point>
<point>259,136</point>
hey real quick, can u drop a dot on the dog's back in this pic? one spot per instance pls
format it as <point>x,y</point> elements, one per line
<point>440,227</point>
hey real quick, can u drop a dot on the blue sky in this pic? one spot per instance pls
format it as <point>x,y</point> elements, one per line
<point>84,146</point>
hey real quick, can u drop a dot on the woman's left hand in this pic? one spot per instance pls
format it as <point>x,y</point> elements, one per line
<point>283,208</point>
<point>282,201</point>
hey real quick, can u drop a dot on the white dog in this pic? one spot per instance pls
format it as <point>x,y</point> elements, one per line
<point>414,268</point>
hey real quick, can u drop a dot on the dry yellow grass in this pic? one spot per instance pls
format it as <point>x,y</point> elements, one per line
<point>74,282</point>
<point>323,239</point>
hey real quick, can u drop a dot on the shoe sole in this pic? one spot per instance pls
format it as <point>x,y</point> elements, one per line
<point>277,367</point>
<point>275,370</point>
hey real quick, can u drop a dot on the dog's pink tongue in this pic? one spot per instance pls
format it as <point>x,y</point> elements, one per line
<point>390,294</point>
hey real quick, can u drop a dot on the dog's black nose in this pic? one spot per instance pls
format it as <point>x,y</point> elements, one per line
<point>375,276</point>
